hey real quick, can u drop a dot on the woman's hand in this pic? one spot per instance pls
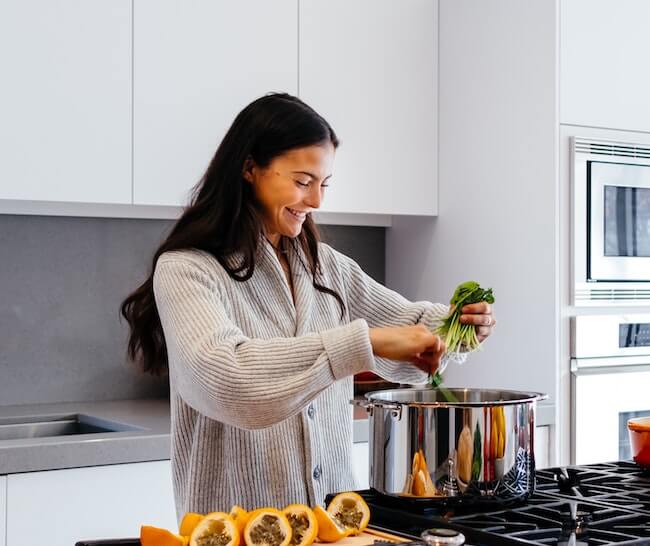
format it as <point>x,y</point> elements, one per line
<point>480,315</point>
<point>414,344</point>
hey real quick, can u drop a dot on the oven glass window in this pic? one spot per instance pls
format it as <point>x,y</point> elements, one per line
<point>627,221</point>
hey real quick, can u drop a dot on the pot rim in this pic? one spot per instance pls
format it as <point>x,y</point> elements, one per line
<point>525,397</point>
<point>639,424</point>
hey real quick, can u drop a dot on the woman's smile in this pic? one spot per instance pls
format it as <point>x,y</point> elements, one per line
<point>296,214</point>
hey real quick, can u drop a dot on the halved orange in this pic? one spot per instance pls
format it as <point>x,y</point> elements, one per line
<point>216,528</point>
<point>304,525</point>
<point>267,527</point>
<point>189,522</point>
<point>329,528</point>
<point>351,511</point>
<point>155,536</point>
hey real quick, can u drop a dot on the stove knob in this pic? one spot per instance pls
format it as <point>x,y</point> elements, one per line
<point>443,537</point>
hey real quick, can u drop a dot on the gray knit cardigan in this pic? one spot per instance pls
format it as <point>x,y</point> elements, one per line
<point>260,387</point>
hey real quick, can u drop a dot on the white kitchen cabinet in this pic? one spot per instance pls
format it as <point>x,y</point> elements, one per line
<point>360,464</point>
<point>196,65</point>
<point>370,68</point>
<point>59,507</point>
<point>604,47</point>
<point>3,510</point>
<point>542,446</point>
<point>65,100</point>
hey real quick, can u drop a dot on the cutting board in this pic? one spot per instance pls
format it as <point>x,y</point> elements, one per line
<point>368,537</point>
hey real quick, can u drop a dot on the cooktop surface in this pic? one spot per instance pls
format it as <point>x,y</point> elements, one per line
<point>580,506</point>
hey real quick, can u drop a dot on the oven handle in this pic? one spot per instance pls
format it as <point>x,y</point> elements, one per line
<point>599,366</point>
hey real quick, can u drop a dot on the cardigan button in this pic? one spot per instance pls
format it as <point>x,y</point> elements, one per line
<point>317,472</point>
<point>311,411</point>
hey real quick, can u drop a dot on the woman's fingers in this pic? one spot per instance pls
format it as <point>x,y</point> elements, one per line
<point>480,308</point>
<point>409,343</point>
<point>429,360</point>
<point>480,315</point>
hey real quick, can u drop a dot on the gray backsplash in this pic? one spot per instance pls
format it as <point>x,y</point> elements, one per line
<point>61,282</point>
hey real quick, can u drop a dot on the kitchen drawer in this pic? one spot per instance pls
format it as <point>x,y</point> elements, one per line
<point>88,503</point>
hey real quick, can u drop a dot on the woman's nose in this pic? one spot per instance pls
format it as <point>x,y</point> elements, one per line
<point>314,197</point>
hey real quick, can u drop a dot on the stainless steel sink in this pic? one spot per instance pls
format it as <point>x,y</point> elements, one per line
<point>44,426</point>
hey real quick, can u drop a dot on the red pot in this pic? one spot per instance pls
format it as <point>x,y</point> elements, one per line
<point>639,431</point>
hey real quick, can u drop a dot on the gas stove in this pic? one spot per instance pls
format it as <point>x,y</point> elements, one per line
<point>578,506</point>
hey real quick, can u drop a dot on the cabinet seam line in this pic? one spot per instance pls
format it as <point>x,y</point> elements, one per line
<point>6,514</point>
<point>298,48</point>
<point>132,101</point>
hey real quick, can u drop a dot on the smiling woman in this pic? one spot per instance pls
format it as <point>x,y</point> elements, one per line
<point>262,327</point>
<point>287,191</point>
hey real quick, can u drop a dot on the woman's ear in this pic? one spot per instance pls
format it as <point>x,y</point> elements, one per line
<point>248,170</point>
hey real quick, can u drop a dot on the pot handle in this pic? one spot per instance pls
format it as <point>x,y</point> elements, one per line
<point>369,405</point>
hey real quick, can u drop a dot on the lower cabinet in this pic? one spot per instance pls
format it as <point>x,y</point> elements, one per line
<point>3,510</point>
<point>360,464</point>
<point>542,446</point>
<point>60,507</point>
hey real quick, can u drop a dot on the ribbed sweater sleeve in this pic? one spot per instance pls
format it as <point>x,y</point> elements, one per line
<point>240,381</point>
<point>381,306</point>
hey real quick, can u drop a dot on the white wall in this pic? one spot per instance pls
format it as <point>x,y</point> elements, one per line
<point>497,223</point>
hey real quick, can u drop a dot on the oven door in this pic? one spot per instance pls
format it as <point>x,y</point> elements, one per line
<point>618,216</point>
<point>606,393</point>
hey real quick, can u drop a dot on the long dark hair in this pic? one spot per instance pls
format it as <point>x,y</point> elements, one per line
<point>222,218</point>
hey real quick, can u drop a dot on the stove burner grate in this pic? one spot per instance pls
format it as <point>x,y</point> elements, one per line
<point>591,505</point>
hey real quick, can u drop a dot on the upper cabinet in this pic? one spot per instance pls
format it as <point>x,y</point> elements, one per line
<point>116,107</point>
<point>196,65</point>
<point>65,105</point>
<point>604,81</point>
<point>370,68</point>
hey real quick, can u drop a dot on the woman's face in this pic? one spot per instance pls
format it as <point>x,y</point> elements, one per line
<point>291,186</point>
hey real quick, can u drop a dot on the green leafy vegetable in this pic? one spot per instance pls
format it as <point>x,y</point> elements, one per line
<point>457,335</point>
<point>476,460</point>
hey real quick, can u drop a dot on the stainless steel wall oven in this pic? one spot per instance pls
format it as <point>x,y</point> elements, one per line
<point>611,222</point>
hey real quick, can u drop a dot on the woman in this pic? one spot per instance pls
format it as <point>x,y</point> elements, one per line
<point>262,327</point>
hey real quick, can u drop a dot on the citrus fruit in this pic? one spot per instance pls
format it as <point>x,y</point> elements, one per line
<point>188,523</point>
<point>329,528</point>
<point>215,529</point>
<point>351,511</point>
<point>267,527</point>
<point>240,517</point>
<point>155,536</point>
<point>304,526</point>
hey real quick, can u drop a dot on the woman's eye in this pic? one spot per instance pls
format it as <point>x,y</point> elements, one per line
<point>302,184</point>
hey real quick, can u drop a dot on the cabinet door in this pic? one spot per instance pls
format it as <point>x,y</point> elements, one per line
<point>65,105</point>
<point>542,447</point>
<point>196,65</point>
<point>604,81</point>
<point>60,507</point>
<point>370,68</point>
<point>3,510</point>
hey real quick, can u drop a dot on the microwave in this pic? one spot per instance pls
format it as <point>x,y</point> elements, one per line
<point>611,222</point>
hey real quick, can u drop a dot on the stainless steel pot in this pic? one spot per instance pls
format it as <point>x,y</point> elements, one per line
<point>461,444</point>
